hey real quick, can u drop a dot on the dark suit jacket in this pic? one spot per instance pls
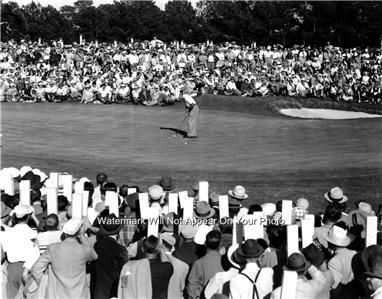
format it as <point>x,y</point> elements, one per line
<point>111,258</point>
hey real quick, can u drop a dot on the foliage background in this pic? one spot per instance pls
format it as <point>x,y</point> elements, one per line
<point>348,24</point>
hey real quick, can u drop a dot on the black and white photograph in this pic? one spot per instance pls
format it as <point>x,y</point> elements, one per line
<point>190,149</point>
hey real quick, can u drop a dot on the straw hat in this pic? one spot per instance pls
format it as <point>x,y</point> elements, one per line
<point>203,210</point>
<point>338,236</point>
<point>238,192</point>
<point>336,195</point>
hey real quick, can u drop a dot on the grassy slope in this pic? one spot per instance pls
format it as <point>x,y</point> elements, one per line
<point>242,141</point>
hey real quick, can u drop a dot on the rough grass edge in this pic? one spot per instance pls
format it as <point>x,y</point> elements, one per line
<point>276,104</point>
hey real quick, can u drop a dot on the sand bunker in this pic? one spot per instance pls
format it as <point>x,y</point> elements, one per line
<point>326,113</point>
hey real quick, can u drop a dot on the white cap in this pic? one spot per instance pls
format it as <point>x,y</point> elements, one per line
<point>14,172</point>
<point>72,226</point>
<point>21,210</point>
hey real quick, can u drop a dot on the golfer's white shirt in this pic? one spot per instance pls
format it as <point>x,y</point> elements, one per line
<point>189,100</point>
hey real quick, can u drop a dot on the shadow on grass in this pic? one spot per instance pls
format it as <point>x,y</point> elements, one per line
<point>175,130</point>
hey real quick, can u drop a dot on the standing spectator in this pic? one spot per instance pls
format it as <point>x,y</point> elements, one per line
<point>51,235</point>
<point>17,243</point>
<point>341,263</point>
<point>316,287</point>
<point>187,251</point>
<point>331,216</point>
<point>177,281</point>
<point>160,267</point>
<point>221,279</point>
<point>252,281</point>
<point>66,262</point>
<point>374,276</point>
<point>206,267</point>
<point>111,256</point>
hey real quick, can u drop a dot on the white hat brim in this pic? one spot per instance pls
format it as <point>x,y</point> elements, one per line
<point>344,198</point>
<point>230,192</point>
<point>343,243</point>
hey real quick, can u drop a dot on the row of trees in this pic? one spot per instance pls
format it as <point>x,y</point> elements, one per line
<point>356,23</point>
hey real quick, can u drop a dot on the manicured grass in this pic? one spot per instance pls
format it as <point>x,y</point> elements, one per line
<point>241,141</point>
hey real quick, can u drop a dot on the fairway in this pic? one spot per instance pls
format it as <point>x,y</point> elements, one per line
<point>240,142</point>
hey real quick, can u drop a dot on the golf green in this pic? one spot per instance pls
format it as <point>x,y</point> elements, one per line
<point>240,141</point>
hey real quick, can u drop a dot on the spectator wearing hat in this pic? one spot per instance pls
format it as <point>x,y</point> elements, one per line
<point>374,275</point>
<point>221,279</point>
<point>331,216</point>
<point>336,195</point>
<point>236,200</point>
<point>206,267</point>
<point>203,210</point>
<point>340,263</point>
<point>67,260</point>
<point>360,266</point>
<point>356,219</point>
<point>156,194</point>
<point>188,248</point>
<point>316,287</point>
<point>111,256</point>
<point>167,185</point>
<point>17,244</point>
<point>252,281</point>
<point>177,281</point>
<point>160,267</point>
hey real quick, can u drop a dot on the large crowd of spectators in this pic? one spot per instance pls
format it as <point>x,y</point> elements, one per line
<point>58,256</point>
<point>153,72</point>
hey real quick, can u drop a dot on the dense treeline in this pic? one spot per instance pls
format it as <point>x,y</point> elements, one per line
<point>356,23</point>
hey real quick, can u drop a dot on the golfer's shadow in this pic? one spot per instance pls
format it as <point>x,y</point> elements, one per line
<point>175,130</point>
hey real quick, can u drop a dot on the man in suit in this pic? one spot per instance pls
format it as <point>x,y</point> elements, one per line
<point>67,275</point>
<point>111,258</point>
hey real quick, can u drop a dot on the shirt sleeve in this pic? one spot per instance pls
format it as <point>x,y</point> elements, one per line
<point>32,257</point>
<point>276,294</point>
<point>336,271</point>
<point>234,289</point>
<point>319,281</point>
<point>211,288</point>
<point>41,265</point>
<point>194,287</point>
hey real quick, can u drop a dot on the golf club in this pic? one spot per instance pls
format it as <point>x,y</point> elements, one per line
<point>180,126</point>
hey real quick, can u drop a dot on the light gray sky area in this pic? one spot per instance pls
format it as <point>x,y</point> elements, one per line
<point>58,3</point>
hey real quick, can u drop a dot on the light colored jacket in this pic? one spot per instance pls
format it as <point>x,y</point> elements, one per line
<point>67,274</point>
